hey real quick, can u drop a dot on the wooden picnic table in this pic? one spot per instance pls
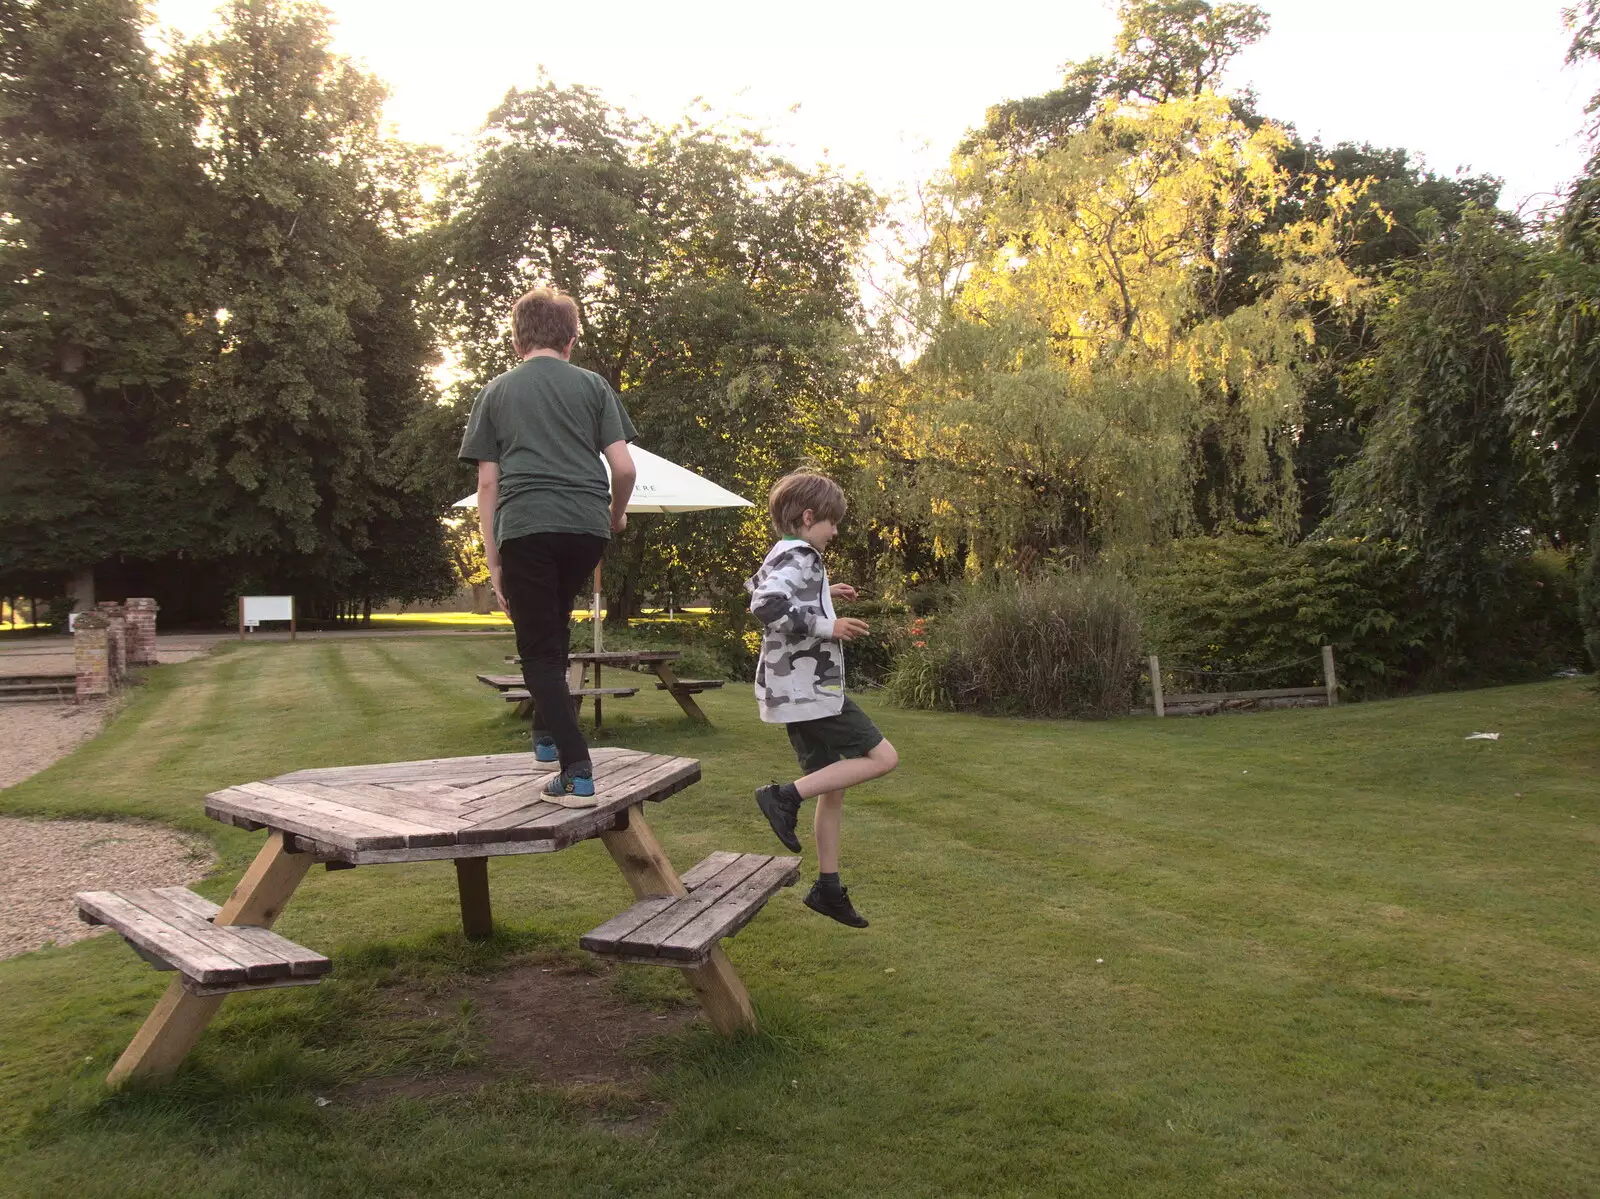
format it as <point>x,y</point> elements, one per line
<point>466,810</point>
<point>653,661</point>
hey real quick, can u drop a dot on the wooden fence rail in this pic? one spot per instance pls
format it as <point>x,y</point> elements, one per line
<point>1328,692</point>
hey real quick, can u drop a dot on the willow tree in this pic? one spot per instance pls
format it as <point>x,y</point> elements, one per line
<point>1123,334</point>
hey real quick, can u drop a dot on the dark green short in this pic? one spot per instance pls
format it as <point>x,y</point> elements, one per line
<point>826,740</point>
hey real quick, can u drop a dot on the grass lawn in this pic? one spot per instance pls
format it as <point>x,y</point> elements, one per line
<point>1295,953</point>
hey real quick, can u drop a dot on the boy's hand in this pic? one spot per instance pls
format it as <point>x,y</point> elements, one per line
<point>848,628</point>
<point>619,521</point>
<point>495,577</point>
<point>843,591</point>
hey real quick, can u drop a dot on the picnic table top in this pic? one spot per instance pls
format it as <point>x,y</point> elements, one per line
<point>482,806</point>
<point>627,657</point>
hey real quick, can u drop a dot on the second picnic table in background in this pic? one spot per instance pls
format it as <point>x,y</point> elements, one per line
<point>654,661</point>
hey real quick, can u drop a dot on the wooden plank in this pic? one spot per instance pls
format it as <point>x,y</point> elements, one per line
<point>369,797</point>
<point>647,938</point>
<point>604,939</point>
<point>259,962</point>
<point>415,832</point>
<point>501,681</point>
<point>494,812</point>
<point>1203,697</point>
<point>316,825</point>
<point>692,686</point>
<point>177,1021</point>
<point>612,780</point>
<point>301,822</point>
<point>716,983</point>
<point>425,768</point>
<point>265,944</point>
<point>520,696</point>
<point>659,778</point>
<point>193,957</point>
<point>446,853</point>
<point>613,797</point>
<point>732,911</point>
<point>532,807</point>
<point>708,868</point>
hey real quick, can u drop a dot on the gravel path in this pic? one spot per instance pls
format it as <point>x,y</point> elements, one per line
<point>42,862</point>
<point>33,736</point>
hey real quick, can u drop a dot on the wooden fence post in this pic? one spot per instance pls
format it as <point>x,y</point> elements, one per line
<point>1155,685</point>
<point>1328,678</point>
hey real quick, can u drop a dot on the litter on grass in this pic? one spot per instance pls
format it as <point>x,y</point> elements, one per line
<point>1483,736</point>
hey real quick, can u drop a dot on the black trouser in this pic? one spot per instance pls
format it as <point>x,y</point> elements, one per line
<point>542,574</point>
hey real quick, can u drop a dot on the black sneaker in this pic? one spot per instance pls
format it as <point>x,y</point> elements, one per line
<point>835,907</point>
<point>780,815</point>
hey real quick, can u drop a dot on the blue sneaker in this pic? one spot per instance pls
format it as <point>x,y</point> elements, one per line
<point>579,783</point>
<point>544,750</point>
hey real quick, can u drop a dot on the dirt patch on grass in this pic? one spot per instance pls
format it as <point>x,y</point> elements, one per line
<point>555,1022</point>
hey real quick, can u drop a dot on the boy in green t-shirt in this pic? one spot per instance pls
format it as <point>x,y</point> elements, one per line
<point>537,434</point>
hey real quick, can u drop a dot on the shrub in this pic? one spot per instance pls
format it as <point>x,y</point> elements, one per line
<point>921,679</point>
<point>1244,611</point>
<point>1063,644</point>
<point>868,660</point>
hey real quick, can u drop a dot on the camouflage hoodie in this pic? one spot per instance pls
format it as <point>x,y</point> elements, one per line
<point>800,674</point>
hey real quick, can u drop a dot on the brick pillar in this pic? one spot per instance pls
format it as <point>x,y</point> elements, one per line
<point>142,631</point>
<point>91,649</point>
<point>117,618</point>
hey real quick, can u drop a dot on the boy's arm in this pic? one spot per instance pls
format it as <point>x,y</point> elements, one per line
<point>488,501</point>
<point>789,599</point>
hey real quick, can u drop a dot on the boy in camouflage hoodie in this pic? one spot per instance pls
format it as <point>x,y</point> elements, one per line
<point>800,680</point>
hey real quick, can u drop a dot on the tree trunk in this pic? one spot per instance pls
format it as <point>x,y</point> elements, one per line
<point>625,601</point>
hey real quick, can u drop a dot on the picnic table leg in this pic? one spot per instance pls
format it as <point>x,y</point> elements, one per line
<point>172,1029</point>
<point>576,673</point>
<point>685,700</point>
<point>472,882</point>
<point>716,984</point>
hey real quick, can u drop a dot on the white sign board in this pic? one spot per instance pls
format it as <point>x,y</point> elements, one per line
<point>256,608</point>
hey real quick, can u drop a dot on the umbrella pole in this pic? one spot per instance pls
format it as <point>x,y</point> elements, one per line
<point>596,609</point>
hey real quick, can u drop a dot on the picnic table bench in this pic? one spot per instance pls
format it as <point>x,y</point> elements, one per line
<point>172,928</point>
<point>653,661</point>
<point>465,810</point>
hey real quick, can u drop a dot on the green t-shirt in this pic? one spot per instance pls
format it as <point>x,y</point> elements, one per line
<point>546,422</point>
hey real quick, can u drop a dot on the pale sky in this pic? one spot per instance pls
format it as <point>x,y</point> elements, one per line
<point>885,88</point>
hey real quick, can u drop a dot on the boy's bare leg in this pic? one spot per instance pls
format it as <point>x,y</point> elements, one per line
<point>825,826</point>
<point>848,772</point>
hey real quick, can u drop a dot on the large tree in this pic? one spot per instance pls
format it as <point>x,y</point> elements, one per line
<point>212,366</point>
<point>1440,469</point>
<point>715,288</point>
<point>320,355</point>
<point>101,294</point>
<point>1099,376</point>
<point>1556,404</point>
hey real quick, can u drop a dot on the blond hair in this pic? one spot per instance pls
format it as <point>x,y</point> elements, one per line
<point>792,495</point>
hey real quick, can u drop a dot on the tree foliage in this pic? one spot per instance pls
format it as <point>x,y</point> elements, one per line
<point>1165,50</point>
<point>716,291</point>
<point>1440,468</point>
<point>212,356</point>
<point>101,271</point>
<point>1099,377</point>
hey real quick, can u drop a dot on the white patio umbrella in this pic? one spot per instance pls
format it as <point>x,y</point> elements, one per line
<point>661,486</point>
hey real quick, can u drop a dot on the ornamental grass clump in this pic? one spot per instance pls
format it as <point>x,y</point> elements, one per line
<point>1062,644</point>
